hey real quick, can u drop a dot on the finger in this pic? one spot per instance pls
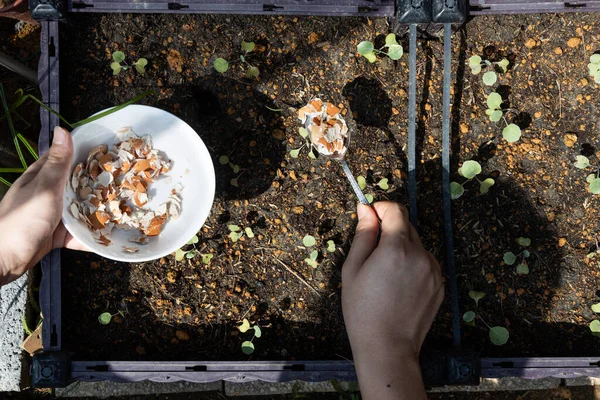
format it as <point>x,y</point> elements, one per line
<point>365,239</point>
<point>60,156</point>
<point>395,225</point>
<point>74,244</point>
<point>63,238</point>
<point>31,172</point>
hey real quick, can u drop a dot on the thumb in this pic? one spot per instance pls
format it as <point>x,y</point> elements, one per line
<point>60,156</point>
<point>365,239</point>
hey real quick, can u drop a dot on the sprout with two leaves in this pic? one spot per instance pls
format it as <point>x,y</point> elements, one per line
<point>310,241</point>
<point>221,65</point>
<point>248,346</point>
<point>593,179</point>
<point>511,258</point>
<point>394,50</point>
<point>180,254</point>
<point>119,64</point>
<point>469,170</point>
<point>294,153</point>
<point>236,233</point>
<point>498,334</point>
<point>224,160</point>
<point>594,67</point>
<point>489,77</point>
<point>511,132</point>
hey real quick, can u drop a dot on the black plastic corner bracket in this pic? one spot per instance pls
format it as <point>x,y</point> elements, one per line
<point>449,11</point>
<point>43,10</point>
<point>413,11</point>
<point>50,370</point>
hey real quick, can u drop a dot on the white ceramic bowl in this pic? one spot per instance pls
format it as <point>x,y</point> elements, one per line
<point>191,166</point>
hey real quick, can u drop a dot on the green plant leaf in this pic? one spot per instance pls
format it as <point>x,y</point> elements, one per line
<point>522,269</point>
<point>206,258</point>
<point>252,72</point>
<point>390,39</point>
<point>474,61</point>
<point>223,160</point>
<point>104,318</point>
<point>499,335</point>
<point>294,153</point>
<point>179,254</point>
<point>193,240</point>
<point>593,68</point>
<point>234,228</point>
<point>494,100</point>
<point>311,154</point>
<point>475,69</point>
<point>140,65</point>
<point>371,57</point>
<point>503,64</point>
<point>476,296</point>
<point>590,178</point>
<point>469,316</point>
<point>235,236</point>
<point>245,326</point>
<point>247,47</point>
<point>257,331</point>
<point>495,115</point>
<point>369,198</point>
<point>511,133</point>
<point>489,78</point>
<point>470,169</point>
<point>28,146</point>
<point>524,241</point>
<point>365,48</point>
<point>596,308</point>
<point>191,254</point>
<point>395,52</point>
<point>249,232</point>
<point>102,114</point>
<point>303,132</point>
<point>234,182</point>
<point>221,65</point>
<point>330,246</point>
<point>456,190</point>
<point>582,162</point>
<point>235,168</point>
<point>383,184</point>
<point>309,241</point>
<point>248,347</point>
<point>314,255</point>
<point>362,182</point>
<point>595,186</point>
<point>526,253</point>
<point>116,68</point>
<point>312,263</point>
<point>118,56</point>
<point>595,326</point>
<point>509,258</point>
<point>485,185</point>
<point>595,59</point>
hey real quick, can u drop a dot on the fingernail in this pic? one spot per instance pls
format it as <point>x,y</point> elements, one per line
<point>361,210</point>
<point>60,135</point>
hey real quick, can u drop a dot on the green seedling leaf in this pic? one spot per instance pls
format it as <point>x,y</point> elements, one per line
<point>252,72</point>
<point>235,236</point>
<point>509,258</point>
<point>234,228</point>
<point>485,185</point>
<point>390,39</point>
<point>249,232</point>
<point>303,132</point>
<point>470,169</point>
<point>118,56</point>
<point>140,65</point>
<point>247,47</point>
<point>595,59</point>
<point>476,296</point>
<point>223,160</point>
<point>191,254</point>
<point>456,190</point>
<point>116,67</point>
<point>314,255</point>
<point>369,198</point>
<point>383,184</point>
<point>245,326</point>
<point>469,316</point>
<point>206,258</point>
<point>590,178</point>
<point>309,241</point>
<point>595,186</point>
<point>235,168</point>
<point>582,162</point>
<point>593,68</point>
<point>495,115</point>
<point>234,182</point>
<point>474,61</point>
<point>193,240</point>
<point>104,318</point>
<point>511,133</point>
<point>523,241</point>
<point>311,154</point>
<point>595,326</point>
<point>362,182</point>
<point>475,69</point>
<point>522,269</point>
<point>242,59</point>
<point>371,57</point>
<point>312,263</point>
<point>526,253</point>
<point>596,308</point>
<point>365,48</point>
<point>499,335</point>
<point>494,100</point>
<point>221,65</point>
<point>295,153</point>
<point>330,246</point>
<point>395,52</point>
<point>489,78</point>
<point>248,347</point>
<point>257,331</point>
<point>179,254</point>
<point>503,64</point>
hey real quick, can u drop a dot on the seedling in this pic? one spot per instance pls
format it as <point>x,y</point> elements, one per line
<point>296,152</point>
<point>235,232</point>
<point>595,324</point>
<point>224,160</point>
<point>489,77</point>
<point>310,241</point>
<point>394,50</point>
<point>331,246</point>
<point>498,334</point>
<point>592,179</point>
<point>594,67</point>
<point>476,296</point>
<point>221,65</point>
<point>511,258</point>
<point>119,64</point>
<point>248,346</point>
<point>180,254</point>
<point>469,170</point>
<point>106,317</point>
<point>511,132</point>
<point>362,184</point>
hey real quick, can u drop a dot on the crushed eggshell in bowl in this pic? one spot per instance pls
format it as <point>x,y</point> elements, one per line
<point>328,130</point>
<point>142,184</point>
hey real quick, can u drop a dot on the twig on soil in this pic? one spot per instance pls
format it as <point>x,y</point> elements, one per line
<point>297,276</point>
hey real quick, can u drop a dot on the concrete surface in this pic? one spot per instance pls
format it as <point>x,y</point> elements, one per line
<point>108,389</point>
<point>13,298</point>
<point>259,388</point>
<point>502,384</point>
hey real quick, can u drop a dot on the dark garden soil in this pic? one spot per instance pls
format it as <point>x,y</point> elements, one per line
<point>188,310</point>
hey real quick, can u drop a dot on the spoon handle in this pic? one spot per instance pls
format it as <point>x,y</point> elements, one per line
<point>353,183</point>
